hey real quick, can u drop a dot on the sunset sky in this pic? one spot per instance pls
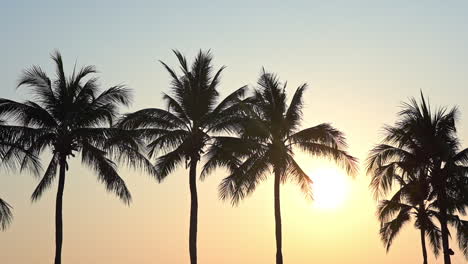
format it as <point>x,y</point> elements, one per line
<point>361,59</point>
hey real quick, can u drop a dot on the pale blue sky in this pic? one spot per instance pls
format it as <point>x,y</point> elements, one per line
<point>361,59</point>
<point>365,39</point>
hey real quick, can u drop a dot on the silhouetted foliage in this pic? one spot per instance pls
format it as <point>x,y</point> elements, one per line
<point>425,141</point>
<point>12,157</point>
<point>5,214</point>
<point>407,203</point>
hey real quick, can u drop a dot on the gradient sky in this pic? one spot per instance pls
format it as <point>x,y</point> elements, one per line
<point>361,60</point>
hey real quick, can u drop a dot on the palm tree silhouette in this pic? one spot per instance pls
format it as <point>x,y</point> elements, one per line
<point>268,135</point>
<point>423,222</point>
<point>185,129</point>
<point>409,201</point>
<point>69,115</point>
<point>388,164</point>
<point>427,141</point>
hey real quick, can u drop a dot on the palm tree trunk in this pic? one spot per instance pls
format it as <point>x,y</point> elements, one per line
<point>423,245</point>
<point>444,228</point>
<point>193,212</point>
<point>58,213</point>
<point>440,186</point>
<point>279,242</point>
<point>445,236</point>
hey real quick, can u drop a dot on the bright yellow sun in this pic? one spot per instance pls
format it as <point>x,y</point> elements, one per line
<point>330,187</point>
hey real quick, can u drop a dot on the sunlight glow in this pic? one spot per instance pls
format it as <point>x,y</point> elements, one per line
<point>330,187</point>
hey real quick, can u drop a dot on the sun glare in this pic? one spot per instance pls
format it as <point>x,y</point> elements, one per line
<point>330,187</point>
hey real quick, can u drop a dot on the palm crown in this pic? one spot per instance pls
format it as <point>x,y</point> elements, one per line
<point>69,115</point>
<point>193,112</point>
<point>268,133</point>
<point>423,145</point>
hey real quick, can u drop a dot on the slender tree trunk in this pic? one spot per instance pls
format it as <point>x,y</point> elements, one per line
<point>423,245</point>
<point>440,185</point>
<point>445,234</point>
<point>279,242</point>
<point>58,213</point>
<point>193,212</point>
<point>443,226</point>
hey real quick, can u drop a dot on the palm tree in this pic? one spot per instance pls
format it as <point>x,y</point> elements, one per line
<point>390,164</point>
<point>435,135</point>
<point>268,134</point>
<point>409,201</point>
<point>426,140</point>
<point>67,116</point>
<point>186,127</point>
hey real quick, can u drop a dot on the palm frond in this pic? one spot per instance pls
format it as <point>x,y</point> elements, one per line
<point>182,61</point>
<point>6,215</point>
<point>244,180</point>
<point>26,114</point>
<point>389,230</point>
<point>47,179</point>
<point>18,147</point>
<point>172,104</point>
<point>60,75</point>
<point>152,118</point>
<point>167,163</point>
<point>106,169</point>
<point>461,227</point>
<point>341,157</point>
<point>227,152</point>
<point>322,134</point>
<point>168,141</point>
<point>388,208</point>
<point>434,234</point>
<point>75,80</point>
<point>116,95</point>
<point>125,147</point>
<point>385,163</point>
<point>41,86</point>
<point>227,112</point>
<point>294,112</point>
<point>300,177</point>
<point>383,154</point>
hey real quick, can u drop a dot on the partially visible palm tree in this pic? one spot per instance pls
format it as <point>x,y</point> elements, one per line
<point>433,135</point>
<point>394,213</point>
<point>187,126</point>
<point>389,164</point>
<point>269,134</point>
<point>408,201</point>
<point>69,115</point>
<point>425,140</point>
